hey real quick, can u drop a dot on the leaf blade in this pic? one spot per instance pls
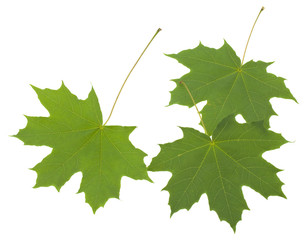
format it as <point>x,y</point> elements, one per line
<point>219,167</point>
<point>216,76</point>
<point>104,154</point>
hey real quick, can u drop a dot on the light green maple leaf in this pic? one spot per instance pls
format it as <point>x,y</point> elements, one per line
<point>81,143</point>
<point>220,167</point>
<point>216,75</point>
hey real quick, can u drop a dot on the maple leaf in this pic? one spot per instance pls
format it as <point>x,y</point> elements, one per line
<point>81,143</point>
<point>220,167</point>
<point>217,75</point>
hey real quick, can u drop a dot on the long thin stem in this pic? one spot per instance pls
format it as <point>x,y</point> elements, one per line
<point>251,34</point>
<point>201,120</point>
<point>130,74</point>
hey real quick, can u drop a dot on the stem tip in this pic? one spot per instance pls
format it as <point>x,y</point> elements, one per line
<point>159,29</point>
<point>251,34</point>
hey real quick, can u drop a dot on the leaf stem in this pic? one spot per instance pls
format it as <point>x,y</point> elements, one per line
<point>201,120</point>
<point>251,34</point>
<point>130,74</point>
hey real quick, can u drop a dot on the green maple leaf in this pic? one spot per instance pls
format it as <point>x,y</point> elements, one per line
<point>216,75</point>
<point>220,167</point>
<point>81,143</point>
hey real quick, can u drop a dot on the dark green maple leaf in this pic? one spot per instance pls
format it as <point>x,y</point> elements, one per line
<point>216,75</point>
<point>220,167</point>
<point>81,143</point>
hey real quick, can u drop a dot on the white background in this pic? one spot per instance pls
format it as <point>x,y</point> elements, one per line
<point>96,43</point>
